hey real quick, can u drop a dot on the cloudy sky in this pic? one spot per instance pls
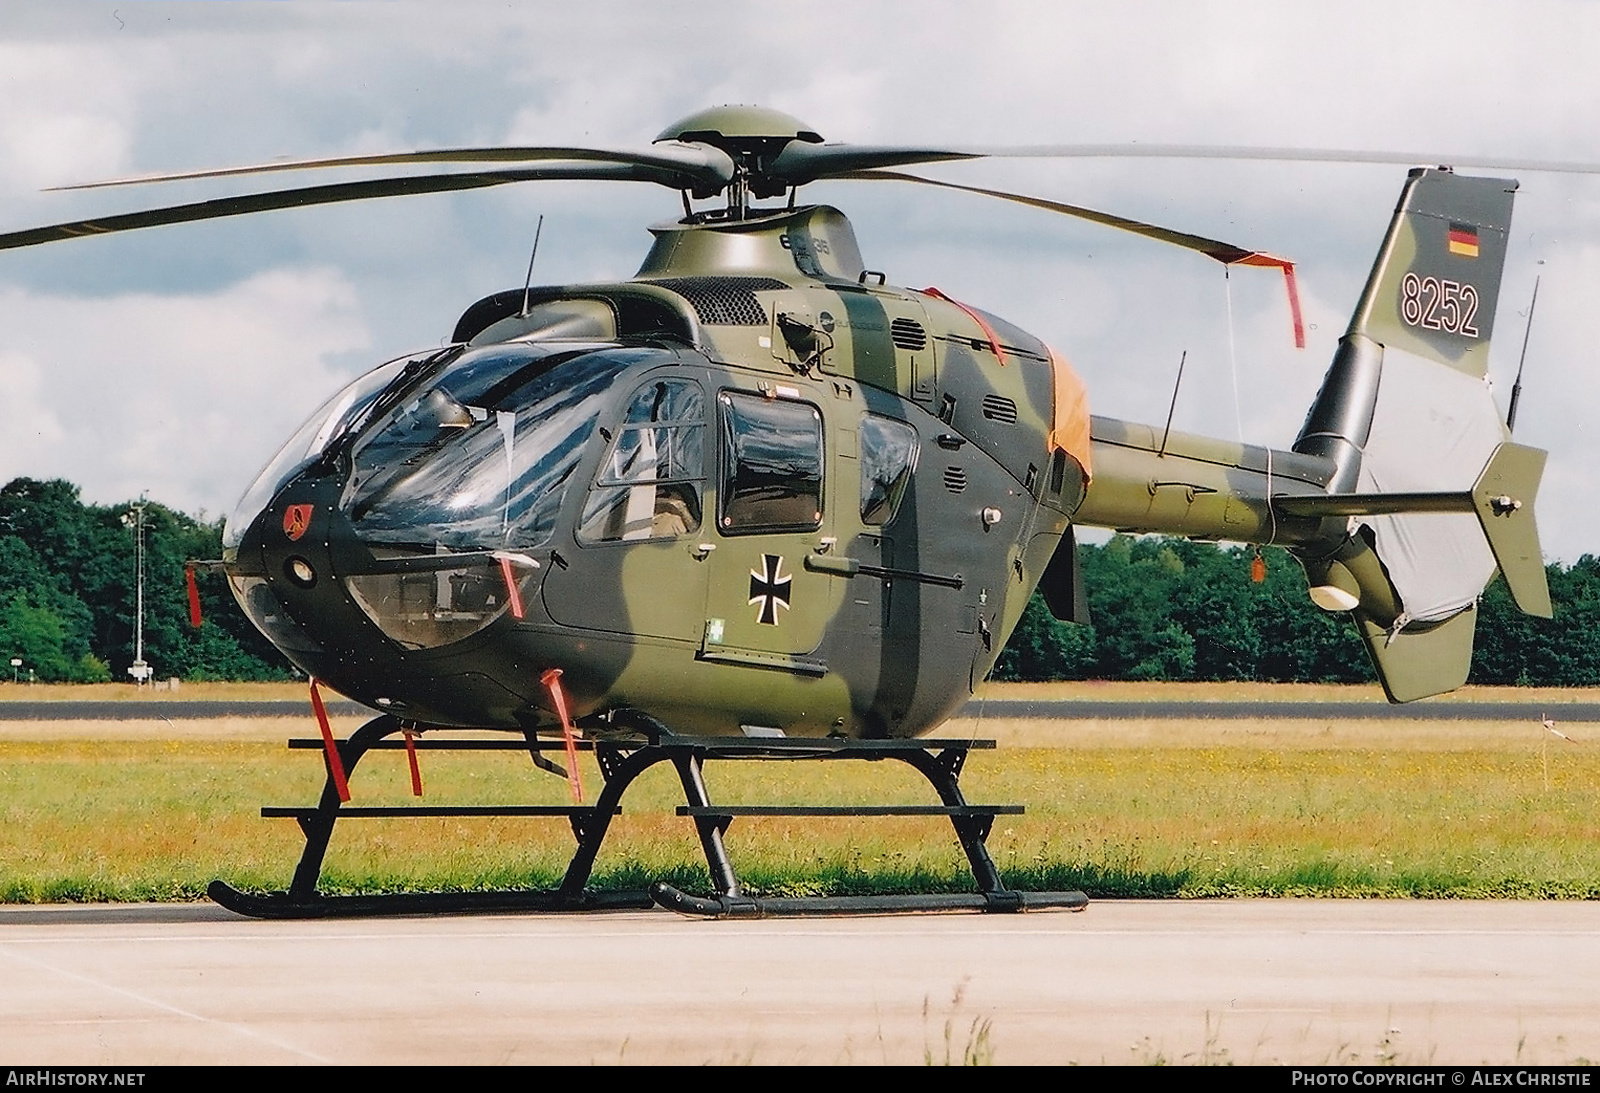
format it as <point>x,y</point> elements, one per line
<point>177,360</point>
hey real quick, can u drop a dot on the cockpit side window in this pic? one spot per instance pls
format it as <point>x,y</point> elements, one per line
<point>888,456</point>
<point>771,465</point>
<point>649,485</point>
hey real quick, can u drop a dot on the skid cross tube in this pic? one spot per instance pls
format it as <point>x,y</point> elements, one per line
<point>621,761</point>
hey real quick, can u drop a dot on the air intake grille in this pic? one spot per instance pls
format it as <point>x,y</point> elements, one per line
<point>999,408</point>
<point>955,479</point>
<point>724,301</point>
<point>908,334</point>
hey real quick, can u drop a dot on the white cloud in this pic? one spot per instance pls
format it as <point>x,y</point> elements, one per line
<point>178,86</point>
<point>186,396</point>
<point>65,114</point>
<point>32,429</point>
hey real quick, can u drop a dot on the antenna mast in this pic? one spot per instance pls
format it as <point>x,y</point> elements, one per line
<point>527,282</point>
<point>139,670</point>
<point>1516,388</point>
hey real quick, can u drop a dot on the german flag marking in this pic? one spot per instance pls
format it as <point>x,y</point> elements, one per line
<point>1463,240</point>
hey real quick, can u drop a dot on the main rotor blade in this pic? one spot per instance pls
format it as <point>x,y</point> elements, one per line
<point>800,163</point>
<point>1226,253</point>
<point>1287,155</point>
<point>700,163</point>
<point>319,195</point>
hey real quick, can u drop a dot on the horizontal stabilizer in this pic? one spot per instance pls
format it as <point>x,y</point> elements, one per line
<point>1372,504</point>
<point>1502,498</point>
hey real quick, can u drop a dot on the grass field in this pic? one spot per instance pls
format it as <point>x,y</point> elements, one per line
<point>1174,809</point>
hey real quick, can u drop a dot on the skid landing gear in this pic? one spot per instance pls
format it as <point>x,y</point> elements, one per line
<point>622,761</point>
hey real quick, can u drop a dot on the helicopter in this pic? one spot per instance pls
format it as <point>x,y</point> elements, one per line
<point>758,493</point>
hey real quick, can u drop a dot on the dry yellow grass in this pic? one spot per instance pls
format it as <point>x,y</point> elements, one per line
<point>159,818</point>
<point>157,730</point>
<point>155,808</point>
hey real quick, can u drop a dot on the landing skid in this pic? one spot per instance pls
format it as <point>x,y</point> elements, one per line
<point>665,895</point>
<point>621,762</point>
<point>284,905</point>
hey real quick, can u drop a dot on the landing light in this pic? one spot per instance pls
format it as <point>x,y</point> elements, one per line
<point>300,572</point>
<point>1333,598</point>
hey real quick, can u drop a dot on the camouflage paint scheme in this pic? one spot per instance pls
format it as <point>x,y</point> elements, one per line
<point>885,628</point>
<point>627,621</point>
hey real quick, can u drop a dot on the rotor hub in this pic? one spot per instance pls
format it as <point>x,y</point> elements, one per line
<point>738,128</point>
<point>753,136</point>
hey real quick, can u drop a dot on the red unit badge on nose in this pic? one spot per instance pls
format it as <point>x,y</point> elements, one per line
<point>296,518</point>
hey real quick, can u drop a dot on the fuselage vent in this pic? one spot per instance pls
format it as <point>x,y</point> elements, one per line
<point>999,408</point>
<point>724,301</point>
<point>908,334</point>
<point>955,479</point>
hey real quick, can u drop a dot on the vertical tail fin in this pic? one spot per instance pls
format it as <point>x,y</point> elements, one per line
<point>1406,409</point>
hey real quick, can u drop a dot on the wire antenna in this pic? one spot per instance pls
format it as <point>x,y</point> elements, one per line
<point>1174,405</point>
<point>1516,388</point>
<point>527,282</point>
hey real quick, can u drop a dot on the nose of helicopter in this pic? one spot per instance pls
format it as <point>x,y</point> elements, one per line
<point>375,552</point>
<point>287,573</point>
<point>382,626</point>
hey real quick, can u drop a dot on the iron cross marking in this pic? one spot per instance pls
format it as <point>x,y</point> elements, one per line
<point>769,589</point>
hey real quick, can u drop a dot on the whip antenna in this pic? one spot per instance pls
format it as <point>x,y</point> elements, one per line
<point>1516,388</point>
<point>1174,405</point>
<point>527,282</point>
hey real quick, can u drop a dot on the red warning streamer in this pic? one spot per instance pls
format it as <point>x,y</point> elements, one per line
<point>983,324</point>
<point>1272,261</point>
<point>335,764</point>
<point>513,593</point>
<point>194,596</point>
<point>411,756</point>
<point>552,683</point>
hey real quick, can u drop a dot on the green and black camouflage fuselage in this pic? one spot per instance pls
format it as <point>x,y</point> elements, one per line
<point>755,488</point>
<point>755,496</point>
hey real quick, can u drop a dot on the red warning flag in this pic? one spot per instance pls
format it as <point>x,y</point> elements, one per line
<point>335,764</point>
<point>513,593</point>
<point>1272,261</point>
<point>552,683</point>
<point>411,757</point>
<point>972,313</point>
<point>194,596</point>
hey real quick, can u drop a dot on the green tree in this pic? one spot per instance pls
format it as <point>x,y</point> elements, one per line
<point>76,562</point>
<point>1044,648</point>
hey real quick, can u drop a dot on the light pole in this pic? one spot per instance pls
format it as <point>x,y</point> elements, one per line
<point>139,670</point>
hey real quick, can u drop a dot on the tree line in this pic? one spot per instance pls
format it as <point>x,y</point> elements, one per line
<point>68,592</point>
<point>1175,610</point>
<point>1160,609</point>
